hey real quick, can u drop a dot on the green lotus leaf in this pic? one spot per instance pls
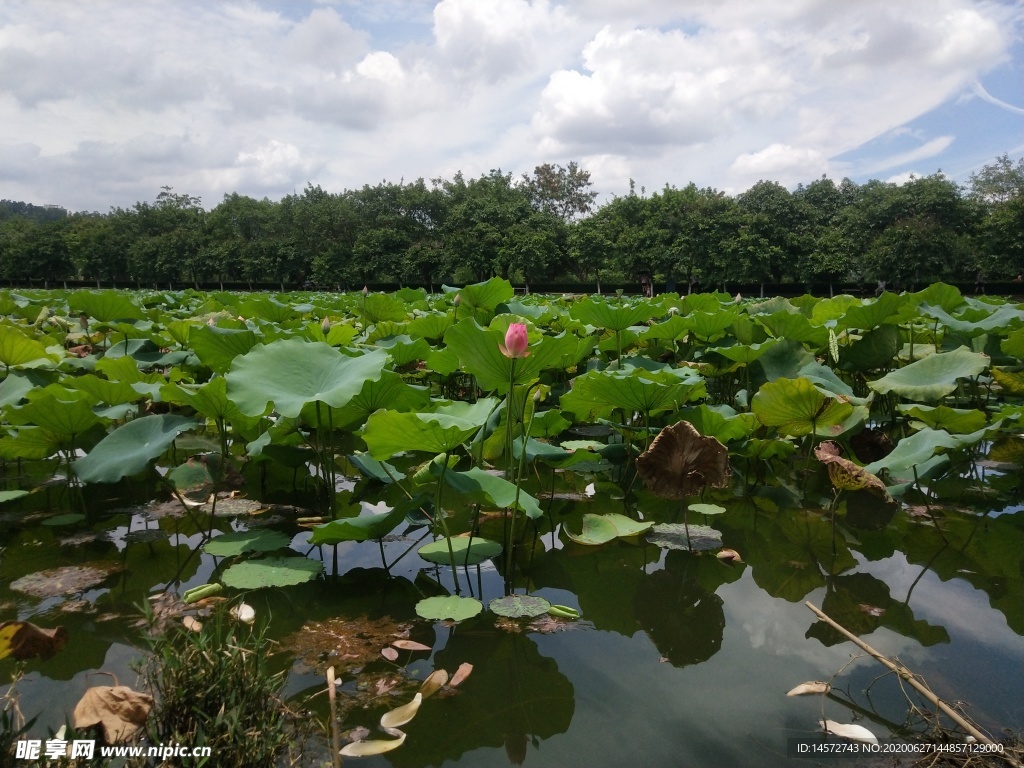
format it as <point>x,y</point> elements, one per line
<point>14,388</point>
<point>432,326</point>
<point>887,309</point>
<point>681,536</point>
<point>519,606</point>
<point>129,448</point>
<point>944,417</point>
<point>6,496</point>
<point>1001,319</point>
<point>934,377</point>
<point>480,354</point>
<point>71,518</point>
<point>875,349</point>
<point>63,412</point>
<point>612,315</point>
<point>914,451</point>
<point>362,528</point>
<point>290,373</point>
<point>30,443</point>
<point>404,350</point>
<point>744,353</point>
<point>237,542</point>
<point>491,489</point>
<point>271,572</point>
<point>1012,382</point>
<point>720,422</point>
<point>210,400</point>
<point>390,391</point>
<point>190,475</point>
<point>378,470</point>
<point>796,408</point>
<point>707,509</point>
<point>217,347</point>
<point>794,327</point>
<point>940,295</point>
<point>598,393</point>
<point>1013,344</point>
<point>675,327</point>
<point>104,391</point>
<point>267,308</point>
<point>105,306</point>
<point>597,530</point>
<point>19,351</point>
<point>440,431</point>
<point>466,551</point>
<point>451,607</point>
<point>483,297</point>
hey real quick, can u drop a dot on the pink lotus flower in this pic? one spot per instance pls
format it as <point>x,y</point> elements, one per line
<point>516,342</point>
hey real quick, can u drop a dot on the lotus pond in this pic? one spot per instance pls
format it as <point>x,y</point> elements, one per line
<point>611,510</point>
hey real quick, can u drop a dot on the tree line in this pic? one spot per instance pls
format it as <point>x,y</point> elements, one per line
<point>539,230</point>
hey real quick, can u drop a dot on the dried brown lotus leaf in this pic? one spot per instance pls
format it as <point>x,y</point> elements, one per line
<point>119,710</point>
<point>403,714</point>
<point>435,681</point>
<point>681,462</point>
<point>24,640</point>
<point>809,688</point>
<point>847,476</point>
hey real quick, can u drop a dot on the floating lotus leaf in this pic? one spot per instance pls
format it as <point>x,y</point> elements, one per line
<point>451,607</point>
<point>934,377</point>
<point>362,528</point>
<point>681,462</point>
<point>23,640</point>
<point>69,580</point>
<point>12,495</point>
<point>707,509</point>
<point>519,606</point>
<point>260,540</point>
<point>128,449</point>
<point>600,529</point>
<point>681,536</point>
<point>271,572</point>
<point>467,551</point>
<point>290,373</point>
<point>119,710</point>
<point>943,417</point>
<point>796,408</point>
<point>69,518</point>
<point>847,476</point>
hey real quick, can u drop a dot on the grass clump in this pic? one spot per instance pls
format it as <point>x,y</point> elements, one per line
<point>216,688</point>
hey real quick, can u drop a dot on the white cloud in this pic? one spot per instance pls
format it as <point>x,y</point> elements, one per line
<point>111,100</point>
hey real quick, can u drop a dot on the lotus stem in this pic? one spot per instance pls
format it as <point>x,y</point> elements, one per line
<point>439,515</point>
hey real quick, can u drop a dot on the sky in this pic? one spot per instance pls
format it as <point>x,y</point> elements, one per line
<point>104,102</point>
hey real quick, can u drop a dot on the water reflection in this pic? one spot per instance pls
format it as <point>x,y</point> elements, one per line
<point>515,698</point>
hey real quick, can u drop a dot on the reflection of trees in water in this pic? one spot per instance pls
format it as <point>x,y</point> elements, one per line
<point>679,612</point>
<point>515,697</point>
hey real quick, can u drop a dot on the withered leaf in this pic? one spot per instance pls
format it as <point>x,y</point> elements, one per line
<point>389,653</point>
<point>847,476</point>
<point>23,640</point>
<point>681,462</point>
<point>461,674</point>
<point>410,645</point>
<point>812,687</point>
<point>118,710</point>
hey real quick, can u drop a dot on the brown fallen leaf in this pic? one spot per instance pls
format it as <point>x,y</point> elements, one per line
<point>434,682</point>
<point>460,674</point>
<point>410,645</point>
<point>389,653</point>
<point>118,710</point>
<point>24,640</point>
<point>729,556</point>
<point>192,624</point>
<point>812,687</point>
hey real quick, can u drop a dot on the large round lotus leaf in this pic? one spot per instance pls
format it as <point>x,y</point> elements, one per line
<point>680,536</point>
<point>444,429</point>
<point>599,393</point>
<point>955,420</point>
<point>272,572</point>
<point>519,606</point>
<point>68,580</point>
<point>129,448</point>
<point>19,351</point>
<point>261,540</point>
<point>467,551</point>
<point>452,607</point>
<point>105,306</point>
<point>615,316</point>
<point>796,407</point>
<point>707,509</point>
<point>934,377</point>
<point>290,373</point>
<point>362,528</point>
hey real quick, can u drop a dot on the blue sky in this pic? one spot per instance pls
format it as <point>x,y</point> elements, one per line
<point>104,102</point>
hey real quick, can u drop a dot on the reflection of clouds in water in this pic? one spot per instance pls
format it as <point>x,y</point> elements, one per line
<point>957,605</point>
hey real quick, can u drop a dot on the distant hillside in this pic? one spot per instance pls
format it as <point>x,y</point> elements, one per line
<point>10,209</point>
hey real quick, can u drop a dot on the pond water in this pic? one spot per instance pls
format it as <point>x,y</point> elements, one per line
<point>679,658</point>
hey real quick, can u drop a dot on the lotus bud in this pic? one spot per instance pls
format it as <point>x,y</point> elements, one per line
<point>366,291</point>
<point>673,310</point>
<point>457,300</point>
<point>325,325</point>
<point>738,298</point>
<point>516,342</point>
